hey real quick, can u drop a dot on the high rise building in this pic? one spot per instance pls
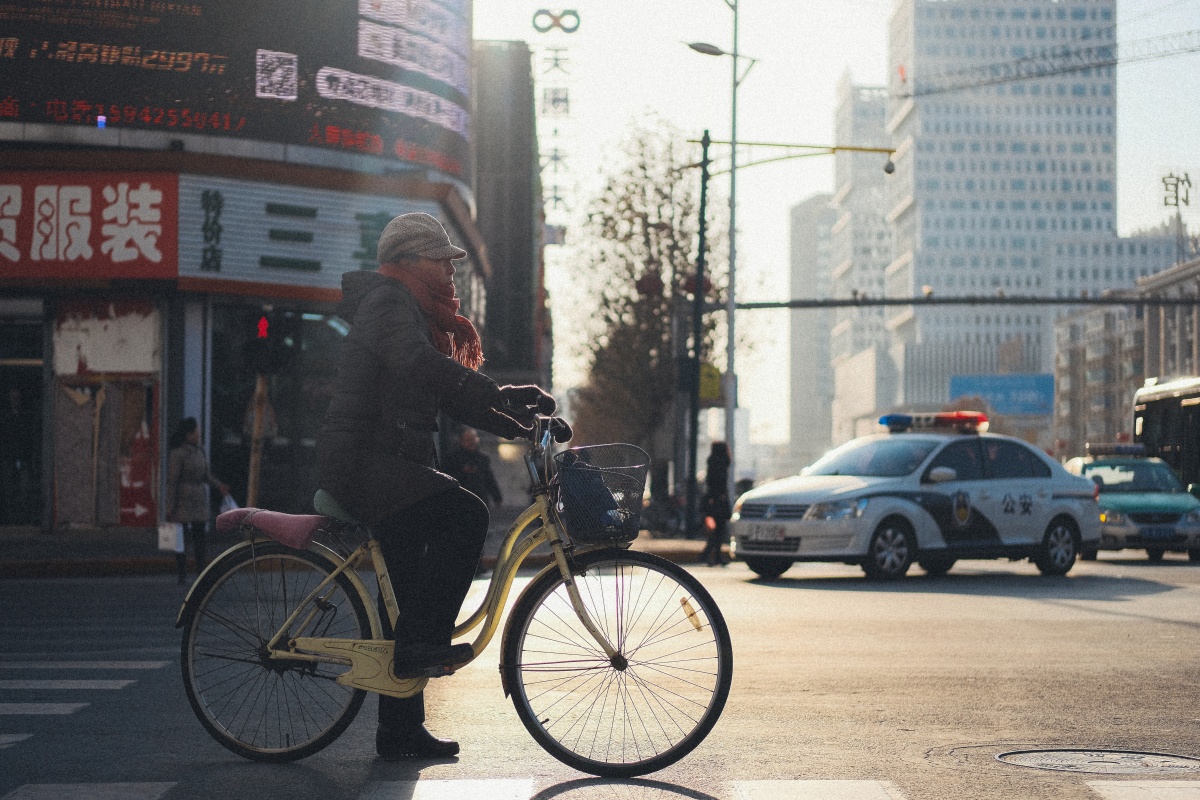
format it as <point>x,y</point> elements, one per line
<point>992,179</point>
<point>860,242</point>
<point>811,375</point>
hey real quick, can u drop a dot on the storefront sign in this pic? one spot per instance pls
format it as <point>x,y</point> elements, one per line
<point>88,225</point>
<point>277,234</point>
<point>383,78</point>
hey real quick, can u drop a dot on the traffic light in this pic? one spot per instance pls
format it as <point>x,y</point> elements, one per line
<point>271,344</point>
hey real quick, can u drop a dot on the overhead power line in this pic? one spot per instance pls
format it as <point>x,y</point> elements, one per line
<point>863,301</point>
<point>1059,61</point>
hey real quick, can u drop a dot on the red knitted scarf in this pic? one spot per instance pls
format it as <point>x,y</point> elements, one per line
<point>453,334</point>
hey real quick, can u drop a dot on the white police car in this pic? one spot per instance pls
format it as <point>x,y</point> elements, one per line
<point>933,490</point>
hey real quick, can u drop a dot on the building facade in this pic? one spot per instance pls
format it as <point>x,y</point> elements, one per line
<point>168,250</point>
<point>990,175</point>
<point>811,222</point>
<point>1105,354</point>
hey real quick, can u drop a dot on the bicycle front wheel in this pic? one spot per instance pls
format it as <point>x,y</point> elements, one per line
<point>642,710</point>
<point>263,708</point>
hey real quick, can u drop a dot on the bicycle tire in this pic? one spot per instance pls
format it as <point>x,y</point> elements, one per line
<point>592,715</point>
<point>266,709</point>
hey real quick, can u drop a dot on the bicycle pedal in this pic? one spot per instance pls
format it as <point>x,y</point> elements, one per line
<point>438,671</point>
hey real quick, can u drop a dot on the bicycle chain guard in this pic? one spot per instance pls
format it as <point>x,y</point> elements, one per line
<point>370,665</point>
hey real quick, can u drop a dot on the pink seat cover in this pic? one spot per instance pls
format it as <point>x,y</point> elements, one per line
<point>293,530</point>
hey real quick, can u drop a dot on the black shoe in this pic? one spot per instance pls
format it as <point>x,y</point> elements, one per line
<point>418,743</point>
<point>430,660</point>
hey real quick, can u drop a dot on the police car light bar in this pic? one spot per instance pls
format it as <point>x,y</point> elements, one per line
<point>961,421</point>
<point>1114,449</point>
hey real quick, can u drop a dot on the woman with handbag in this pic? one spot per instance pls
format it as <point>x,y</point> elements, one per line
<point>715,506</point>
<point>188,479</point>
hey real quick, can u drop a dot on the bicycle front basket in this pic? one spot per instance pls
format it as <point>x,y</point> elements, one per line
<point>598,494</point>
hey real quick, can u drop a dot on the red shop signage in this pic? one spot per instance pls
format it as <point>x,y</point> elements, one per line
<point>89,225</point>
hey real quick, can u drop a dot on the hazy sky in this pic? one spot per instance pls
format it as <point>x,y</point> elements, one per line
<point>627,57</point>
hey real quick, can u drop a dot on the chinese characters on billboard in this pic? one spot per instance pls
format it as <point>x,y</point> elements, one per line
<point>88,225</point>
<point>388,78</point>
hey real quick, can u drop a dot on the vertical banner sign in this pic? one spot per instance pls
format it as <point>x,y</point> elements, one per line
<point>387,78</point>
<point>553,80</point>
<point>88,224</point>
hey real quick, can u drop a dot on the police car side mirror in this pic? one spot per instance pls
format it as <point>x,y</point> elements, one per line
<point>942,475</point>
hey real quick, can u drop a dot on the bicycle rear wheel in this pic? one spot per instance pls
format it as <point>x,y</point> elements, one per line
<point>268,709</point>
<point>657,702</point>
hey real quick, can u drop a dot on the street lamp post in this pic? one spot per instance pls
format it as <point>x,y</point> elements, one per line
<point>730,303</point>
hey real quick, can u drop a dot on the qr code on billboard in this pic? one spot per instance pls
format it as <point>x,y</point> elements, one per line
<point>275,75</point>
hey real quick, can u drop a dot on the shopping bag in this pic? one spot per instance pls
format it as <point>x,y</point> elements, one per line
<point>170,536</point>
<point>228,504</point>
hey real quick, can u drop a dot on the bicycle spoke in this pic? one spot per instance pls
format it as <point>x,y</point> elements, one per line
<point>674,679</point>
<point>271,708</point>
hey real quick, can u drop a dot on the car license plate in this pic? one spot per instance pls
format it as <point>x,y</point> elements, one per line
<point>1158,532</point>
<point>767,533</point>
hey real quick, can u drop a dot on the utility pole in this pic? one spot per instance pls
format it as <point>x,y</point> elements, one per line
<point>1177,195</point>
<point>698,298</point>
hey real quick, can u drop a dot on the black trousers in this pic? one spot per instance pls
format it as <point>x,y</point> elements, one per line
<point>716,538</point>
<point>194,535</point>
<point>431,549</point>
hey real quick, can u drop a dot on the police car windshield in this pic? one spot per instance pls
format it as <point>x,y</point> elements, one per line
<point>1133,476</point>
<point>875,458</point>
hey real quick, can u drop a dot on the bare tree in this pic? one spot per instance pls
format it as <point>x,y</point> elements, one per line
<point>638,254</point>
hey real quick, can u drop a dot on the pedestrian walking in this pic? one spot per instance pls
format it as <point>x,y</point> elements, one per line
<point>188,481</point>
<point>19,438</point>
<point>715,505</point>
<point>472,468</point>
<point>409,355</point>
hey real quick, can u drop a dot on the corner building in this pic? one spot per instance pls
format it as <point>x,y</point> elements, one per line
<point>175,222</point>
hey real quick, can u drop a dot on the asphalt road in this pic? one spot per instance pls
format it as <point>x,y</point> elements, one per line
<point>843,689</point>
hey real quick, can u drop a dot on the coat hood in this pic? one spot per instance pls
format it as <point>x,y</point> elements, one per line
<point>357,285</point>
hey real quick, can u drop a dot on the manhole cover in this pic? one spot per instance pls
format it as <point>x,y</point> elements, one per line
<point>1105,762</point>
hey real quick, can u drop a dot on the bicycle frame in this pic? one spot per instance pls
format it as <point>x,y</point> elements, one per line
<point>370,660</point>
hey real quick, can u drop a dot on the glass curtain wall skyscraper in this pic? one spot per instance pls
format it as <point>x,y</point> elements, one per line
<point>990,177</point>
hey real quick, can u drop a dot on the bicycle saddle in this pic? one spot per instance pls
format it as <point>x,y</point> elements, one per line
<point>293,530</point>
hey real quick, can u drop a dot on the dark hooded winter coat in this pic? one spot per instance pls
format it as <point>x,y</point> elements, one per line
<point>375,451</point>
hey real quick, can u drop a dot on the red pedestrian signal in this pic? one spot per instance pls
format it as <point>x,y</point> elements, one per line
<point>263,326</point>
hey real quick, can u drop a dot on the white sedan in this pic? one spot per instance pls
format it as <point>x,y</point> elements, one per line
<point>933,490</point>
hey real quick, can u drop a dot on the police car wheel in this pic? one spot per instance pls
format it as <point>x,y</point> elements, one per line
<point>936,566</point>
<point>891,551</point>
<point>768,568</point>
<point>1194,554</point>
<point>1059,548</point>
<point>1154,554</point>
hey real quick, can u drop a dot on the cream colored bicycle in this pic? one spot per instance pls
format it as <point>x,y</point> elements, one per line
<point>618,662</point>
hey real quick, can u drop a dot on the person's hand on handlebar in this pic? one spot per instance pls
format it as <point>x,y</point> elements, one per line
<point>527,397</point>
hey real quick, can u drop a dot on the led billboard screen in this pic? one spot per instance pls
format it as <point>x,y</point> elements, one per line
<point>388,78</point>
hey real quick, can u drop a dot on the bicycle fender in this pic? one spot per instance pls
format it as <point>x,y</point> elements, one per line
<point>188,609</point>
<point>551,567</point>
<point>508,625</point>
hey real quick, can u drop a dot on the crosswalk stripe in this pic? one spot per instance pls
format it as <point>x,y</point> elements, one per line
<point>7,739</point>
<point>83,664</point>
<point>816,790</point>
<point>89,791</point>
<point>449,790</point>
<point>40,708</point>
<point>1147,790</point>
<point>44,684</point>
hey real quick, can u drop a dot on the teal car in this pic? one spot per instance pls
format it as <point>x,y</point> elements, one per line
<point>1143,504</point>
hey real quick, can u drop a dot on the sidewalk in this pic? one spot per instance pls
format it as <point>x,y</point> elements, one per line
<point>26,552</point>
